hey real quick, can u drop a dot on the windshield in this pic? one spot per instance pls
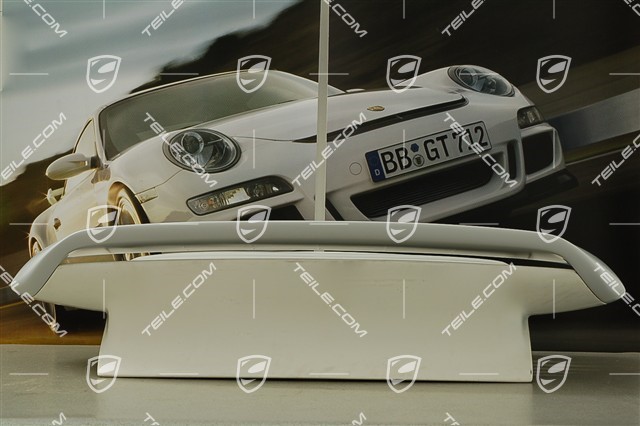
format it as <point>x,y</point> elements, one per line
<point>184,105</point>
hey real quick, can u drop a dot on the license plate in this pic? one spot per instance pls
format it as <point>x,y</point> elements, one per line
<point>424,152</point>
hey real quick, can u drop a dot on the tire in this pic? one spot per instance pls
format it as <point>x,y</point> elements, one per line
<point>50,308</point>
<point>131,213</point>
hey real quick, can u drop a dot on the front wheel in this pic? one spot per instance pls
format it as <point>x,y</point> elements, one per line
<point>131,213</point>
<point>49,308</point>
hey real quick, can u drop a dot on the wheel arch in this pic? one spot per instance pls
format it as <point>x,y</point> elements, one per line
<point>112,200</point>
<point>39,231</point>
<point>32,239</point>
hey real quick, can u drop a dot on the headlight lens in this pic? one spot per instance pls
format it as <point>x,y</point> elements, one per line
<point>529,116</point>
<point>202,150</point>
<point>238,195</point>
<point>481,80</point>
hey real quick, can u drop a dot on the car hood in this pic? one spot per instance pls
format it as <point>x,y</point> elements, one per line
<point>298,120</point>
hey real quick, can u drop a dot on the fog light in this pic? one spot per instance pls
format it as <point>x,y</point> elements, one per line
<point>234,196</point>
<point>529,116</point>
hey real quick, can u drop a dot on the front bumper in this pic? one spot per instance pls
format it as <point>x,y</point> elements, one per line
<point>518,158</point>
<point>469,183</point>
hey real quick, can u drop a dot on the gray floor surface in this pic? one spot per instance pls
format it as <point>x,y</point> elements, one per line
<point>38,383</point>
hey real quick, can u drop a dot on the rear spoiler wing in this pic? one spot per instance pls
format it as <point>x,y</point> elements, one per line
<point>318,236</point>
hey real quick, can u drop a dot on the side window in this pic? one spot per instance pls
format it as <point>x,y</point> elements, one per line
<point>86,145</point>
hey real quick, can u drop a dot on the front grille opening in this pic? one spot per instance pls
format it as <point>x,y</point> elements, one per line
<point>538,151</point>
<point>424,189</point>
<point>285,213</point>
<point>511,158</point>
<point>334,212</point>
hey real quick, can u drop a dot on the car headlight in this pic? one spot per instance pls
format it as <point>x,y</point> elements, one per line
<point>238,195</point>
<point>481,80</point>
<point>202,150</point>
<point>529,116</point>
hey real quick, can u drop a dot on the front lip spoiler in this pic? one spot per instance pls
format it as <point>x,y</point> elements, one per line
<point>313,236</point>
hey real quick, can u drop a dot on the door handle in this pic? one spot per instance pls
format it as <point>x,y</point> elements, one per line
<point>56,223</point>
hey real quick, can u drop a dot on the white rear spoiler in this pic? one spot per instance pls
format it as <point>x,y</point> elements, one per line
<point>300,235</point>
<point>321,300</point>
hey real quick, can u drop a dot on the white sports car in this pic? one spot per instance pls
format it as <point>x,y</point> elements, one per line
<point>458,138</point>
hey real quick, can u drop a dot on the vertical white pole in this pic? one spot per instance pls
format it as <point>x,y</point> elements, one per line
<point>323,93</point>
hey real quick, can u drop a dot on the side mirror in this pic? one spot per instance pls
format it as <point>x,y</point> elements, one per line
<point>69,166</point>
<point>52,195</point>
